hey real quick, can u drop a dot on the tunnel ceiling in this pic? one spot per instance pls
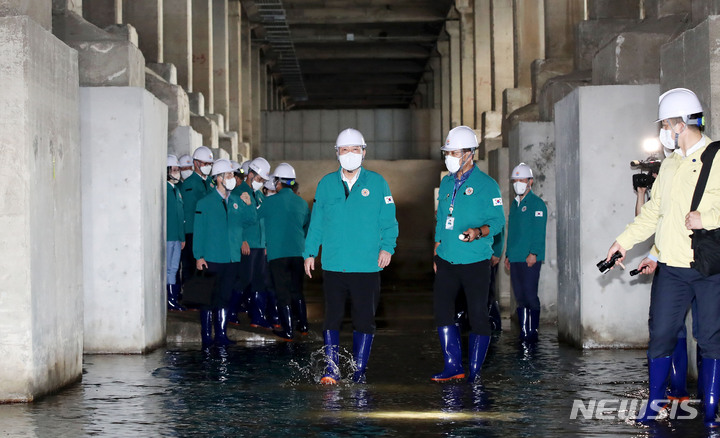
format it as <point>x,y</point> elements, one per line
<point>350,53</point>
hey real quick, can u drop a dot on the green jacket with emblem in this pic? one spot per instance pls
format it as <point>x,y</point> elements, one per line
<point>526,228</point>
<point>352,228</point>
<point>253,232</point>
<point>477,202</point>
<point>219,226</point>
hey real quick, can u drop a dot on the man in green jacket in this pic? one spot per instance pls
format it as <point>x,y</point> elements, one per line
<point>469,215</point>
<point>194,188</point>
<point>175,226</point>
<point>286,217</point>
<point>218,225</point>
<point>353,219</point>
<point>526,250</point>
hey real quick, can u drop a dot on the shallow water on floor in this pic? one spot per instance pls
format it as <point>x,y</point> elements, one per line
<point>271,390</point>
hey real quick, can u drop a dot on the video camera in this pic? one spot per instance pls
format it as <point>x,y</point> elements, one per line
<point>647,168</point>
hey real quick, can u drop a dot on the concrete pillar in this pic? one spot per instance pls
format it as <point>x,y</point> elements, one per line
<point>221,61</point>
<point>102,13</point>
<point>63,6</point>
<point>40,11</point>
<point>467,61</point>
<point>184,140</point>
<point>234,116</point>
<point>256,68</point>
<point>246,81</point>
<point>171,95</point>
<point>529,39</point>
<point>700,69</point>
<point>561,18</point>
<point>105,59</point>
<point>453,29</point>
<point>600,310</point>
<point>443,47</point>
<point>177,33</point>
<point>146,16</point>
<point>202,51</point>
<point>41,292</point>
<point>503,65</point>
<point>483,58</point>
<point>435,65</point>
<point>701,9</point>
<point>124,270</point>
<point>533,143</point>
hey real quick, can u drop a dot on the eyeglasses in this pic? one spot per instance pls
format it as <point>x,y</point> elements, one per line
<point>456,154</point>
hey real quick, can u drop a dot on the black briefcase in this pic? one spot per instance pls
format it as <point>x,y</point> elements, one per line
<point>198,290</point>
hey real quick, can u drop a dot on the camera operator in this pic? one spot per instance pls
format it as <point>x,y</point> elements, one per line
<point>676,283</point>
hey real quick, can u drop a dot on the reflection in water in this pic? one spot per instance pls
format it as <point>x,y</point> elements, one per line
<point>272,390</point>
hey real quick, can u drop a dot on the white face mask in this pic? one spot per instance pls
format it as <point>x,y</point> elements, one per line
<point>350,161</point>
<point>519,187</point>
<point>452,164</point>
<point>206,170</point>
<point>186,174</point>
<point>257,185</point>
<point>667,139</point>
<point>174,177</point>
<point>229,183</point>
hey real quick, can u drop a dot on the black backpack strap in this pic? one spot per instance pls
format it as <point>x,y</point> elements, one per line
<point>707,158</point>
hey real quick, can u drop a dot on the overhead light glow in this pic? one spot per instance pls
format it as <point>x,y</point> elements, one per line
<point>651,145</point>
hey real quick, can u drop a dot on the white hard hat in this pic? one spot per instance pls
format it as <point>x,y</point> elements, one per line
<point>521,171</point>
<point>235,165</point>
<point>260,166</point>
<point>203,153</point>
<point>270,184</point>
<point>245,166</point>
<point>350,137</point>
<point>285,171</point>
<point>172,161</point>
<point>185,160</point>
<point>678,102</point>
<point>460,137</point>
<point>221,166</point>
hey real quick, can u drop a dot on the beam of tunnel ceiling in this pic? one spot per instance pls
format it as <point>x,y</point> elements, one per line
<point>363,53</point>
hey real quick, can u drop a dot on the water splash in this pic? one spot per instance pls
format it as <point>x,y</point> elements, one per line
<point>311,369</point>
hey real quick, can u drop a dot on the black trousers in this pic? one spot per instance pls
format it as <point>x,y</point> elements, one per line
<point>252,271</point>
<point>474,280</point>
<point>287,278</point>
<point>226,276</point>
<point>364,291</point>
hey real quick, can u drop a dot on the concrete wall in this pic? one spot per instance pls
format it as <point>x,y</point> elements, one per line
<point>41,301</point>
<point>499,168</point>
<point>691,61</point>
<point>124,148</point>
<point>534,144</point>
<point>392,134</point>
<point>595,201</point>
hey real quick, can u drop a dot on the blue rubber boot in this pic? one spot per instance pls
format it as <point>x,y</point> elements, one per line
<point>533,324</point>
<point>332,357</point>
<point>478,347</point>
<point>173,297</point>
<point>452,353</point>
<point>234,306</point>
<point>711,389</point>
<point>286,324</point>
<point>361,352</point>
<point>301,314</point>
<point>678,372</point>
<point>659,370</point>
<point>494,314</point>
<point>273,311</point>
<point>221,320</point>
<point>206,328</point>
<point>523,316</point>
<point>257,311</point>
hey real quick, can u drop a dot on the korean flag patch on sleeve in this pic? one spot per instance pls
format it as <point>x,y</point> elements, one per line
<point>497,201</point>
<point>389,200</point>
<point>539,213</point>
